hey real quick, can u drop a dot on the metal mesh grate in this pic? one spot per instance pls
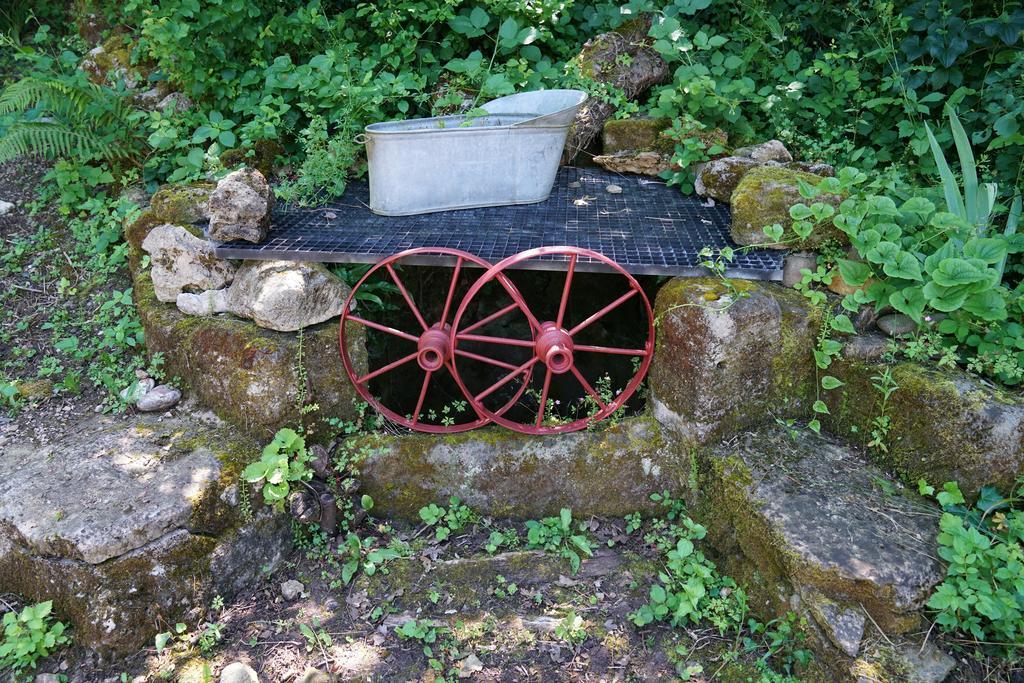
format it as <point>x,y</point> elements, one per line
<point>649,229</point>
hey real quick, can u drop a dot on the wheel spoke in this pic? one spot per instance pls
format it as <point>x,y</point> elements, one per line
<point>526,343</point>
<point>589,389</point>
<point>506,379</point>
<point>544,393</point>
<point>518,298</point>
<point>451,292</point>
<point>492,317</point>
<point>384,328</point>
<point>423,395</point>
<point>610,349</point>
<point>405,295</point>
<point>387,368</point>
<point>565,290</point>
<point>485,359</point>
<point>604,311</point>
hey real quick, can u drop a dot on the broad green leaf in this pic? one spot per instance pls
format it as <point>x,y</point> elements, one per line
<point>820,408</point>
<point>988,249</point>
<point>842,323</point>
<point>905,266</point>
<point>255,472</point>
<point>987,305</point>
<point>829,382</point>
<point>479,17</point>
<point>957,271</point>
<point>854,273</point>
<point>909,301</point>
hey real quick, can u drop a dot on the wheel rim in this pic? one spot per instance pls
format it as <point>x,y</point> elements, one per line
<point>556,346</point>
<point>430,346</point>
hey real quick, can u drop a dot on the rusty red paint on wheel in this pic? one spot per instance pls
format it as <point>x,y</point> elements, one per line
<point>430,342</point>
<point>554,345</point>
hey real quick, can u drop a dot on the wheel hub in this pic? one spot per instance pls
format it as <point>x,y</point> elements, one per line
<point>554,347</point>
<point>434,347</point>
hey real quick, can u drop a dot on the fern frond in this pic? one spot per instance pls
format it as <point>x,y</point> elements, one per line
<point>54,139</point>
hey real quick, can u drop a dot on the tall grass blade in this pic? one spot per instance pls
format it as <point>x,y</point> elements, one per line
<point>968,169</point>
<point>954,202</point>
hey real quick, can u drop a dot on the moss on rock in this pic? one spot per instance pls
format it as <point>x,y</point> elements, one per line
<point>764,196</point>
<point>246,374</point>
<point>184,203</point>
<point>638,134</point>
<point>945,425</point>
<point>607,472</point>
<point>261,156</point>
<point>730,355</point>
<point>798,536</point>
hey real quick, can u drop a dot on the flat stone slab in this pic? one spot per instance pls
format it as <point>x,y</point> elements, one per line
<point>106,490</point>
<point>607,472</point>
<point>825,529</point>
<point>128,522</point>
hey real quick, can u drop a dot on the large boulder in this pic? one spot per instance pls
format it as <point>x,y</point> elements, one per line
<point>248,375</point>
<point>812,526</point>
<point>240,207</point>
<point>944,425</point>
<point>764,197</point>
<point>636,134</point>
<point>128,524</point>
<point>181,262</point>
<point>773,150</point>
<point>278,295</point>
<point>718,178</point>
<point>607,472</point>
<point>185,203</point>
<point>730,354</point>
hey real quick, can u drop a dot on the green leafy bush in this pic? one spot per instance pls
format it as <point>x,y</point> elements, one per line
<point>283,461</point>
<point>29,636</point>
<point>556,535</point>
<point>447,520</point>
<point>982,595</point>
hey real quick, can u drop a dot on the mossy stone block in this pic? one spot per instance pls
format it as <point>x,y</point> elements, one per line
<point>945,425</point>
<point>808,524</point>
<point>607,472</point>
<point>248,375</point>
<point>764,197</point>
<point>638,134</point>
<point>730,355</point>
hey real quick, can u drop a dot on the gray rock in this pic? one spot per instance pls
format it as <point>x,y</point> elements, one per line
<point>794,263</point>
<point>278,295</point>
<point>149,99</point>
<point>774,498</point>
<point>865,347</point>
<point>177,102</point>
<point>469,666</point>
<point>815,167</point>
<point>718,178</point>
<point>843,624</point>
<point>158,398</point>
<point>865,319</point>
<point>182,262</point>
<point>725,358</point>
<point>122,525</point>
<point>773,150</point>
<point>609,472</point>
<point>240,207</point>
<point>47,678</point>
<point>237,672</point>
<point>136,194</point>
<point>6,207</point>
<point>613,189</point>
<point>765,195</point>
<point>930,665</point>
<point>132,393</point>
<point>897,325</point>
<point>291,589</point>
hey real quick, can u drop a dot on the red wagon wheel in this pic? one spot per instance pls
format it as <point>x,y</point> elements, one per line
<point>429,354</point>
<point>559,342</point>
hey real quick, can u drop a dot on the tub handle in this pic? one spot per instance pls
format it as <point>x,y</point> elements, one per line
<point>361,139</point>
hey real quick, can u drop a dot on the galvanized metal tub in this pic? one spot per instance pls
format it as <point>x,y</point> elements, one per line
<point>508,156</point>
